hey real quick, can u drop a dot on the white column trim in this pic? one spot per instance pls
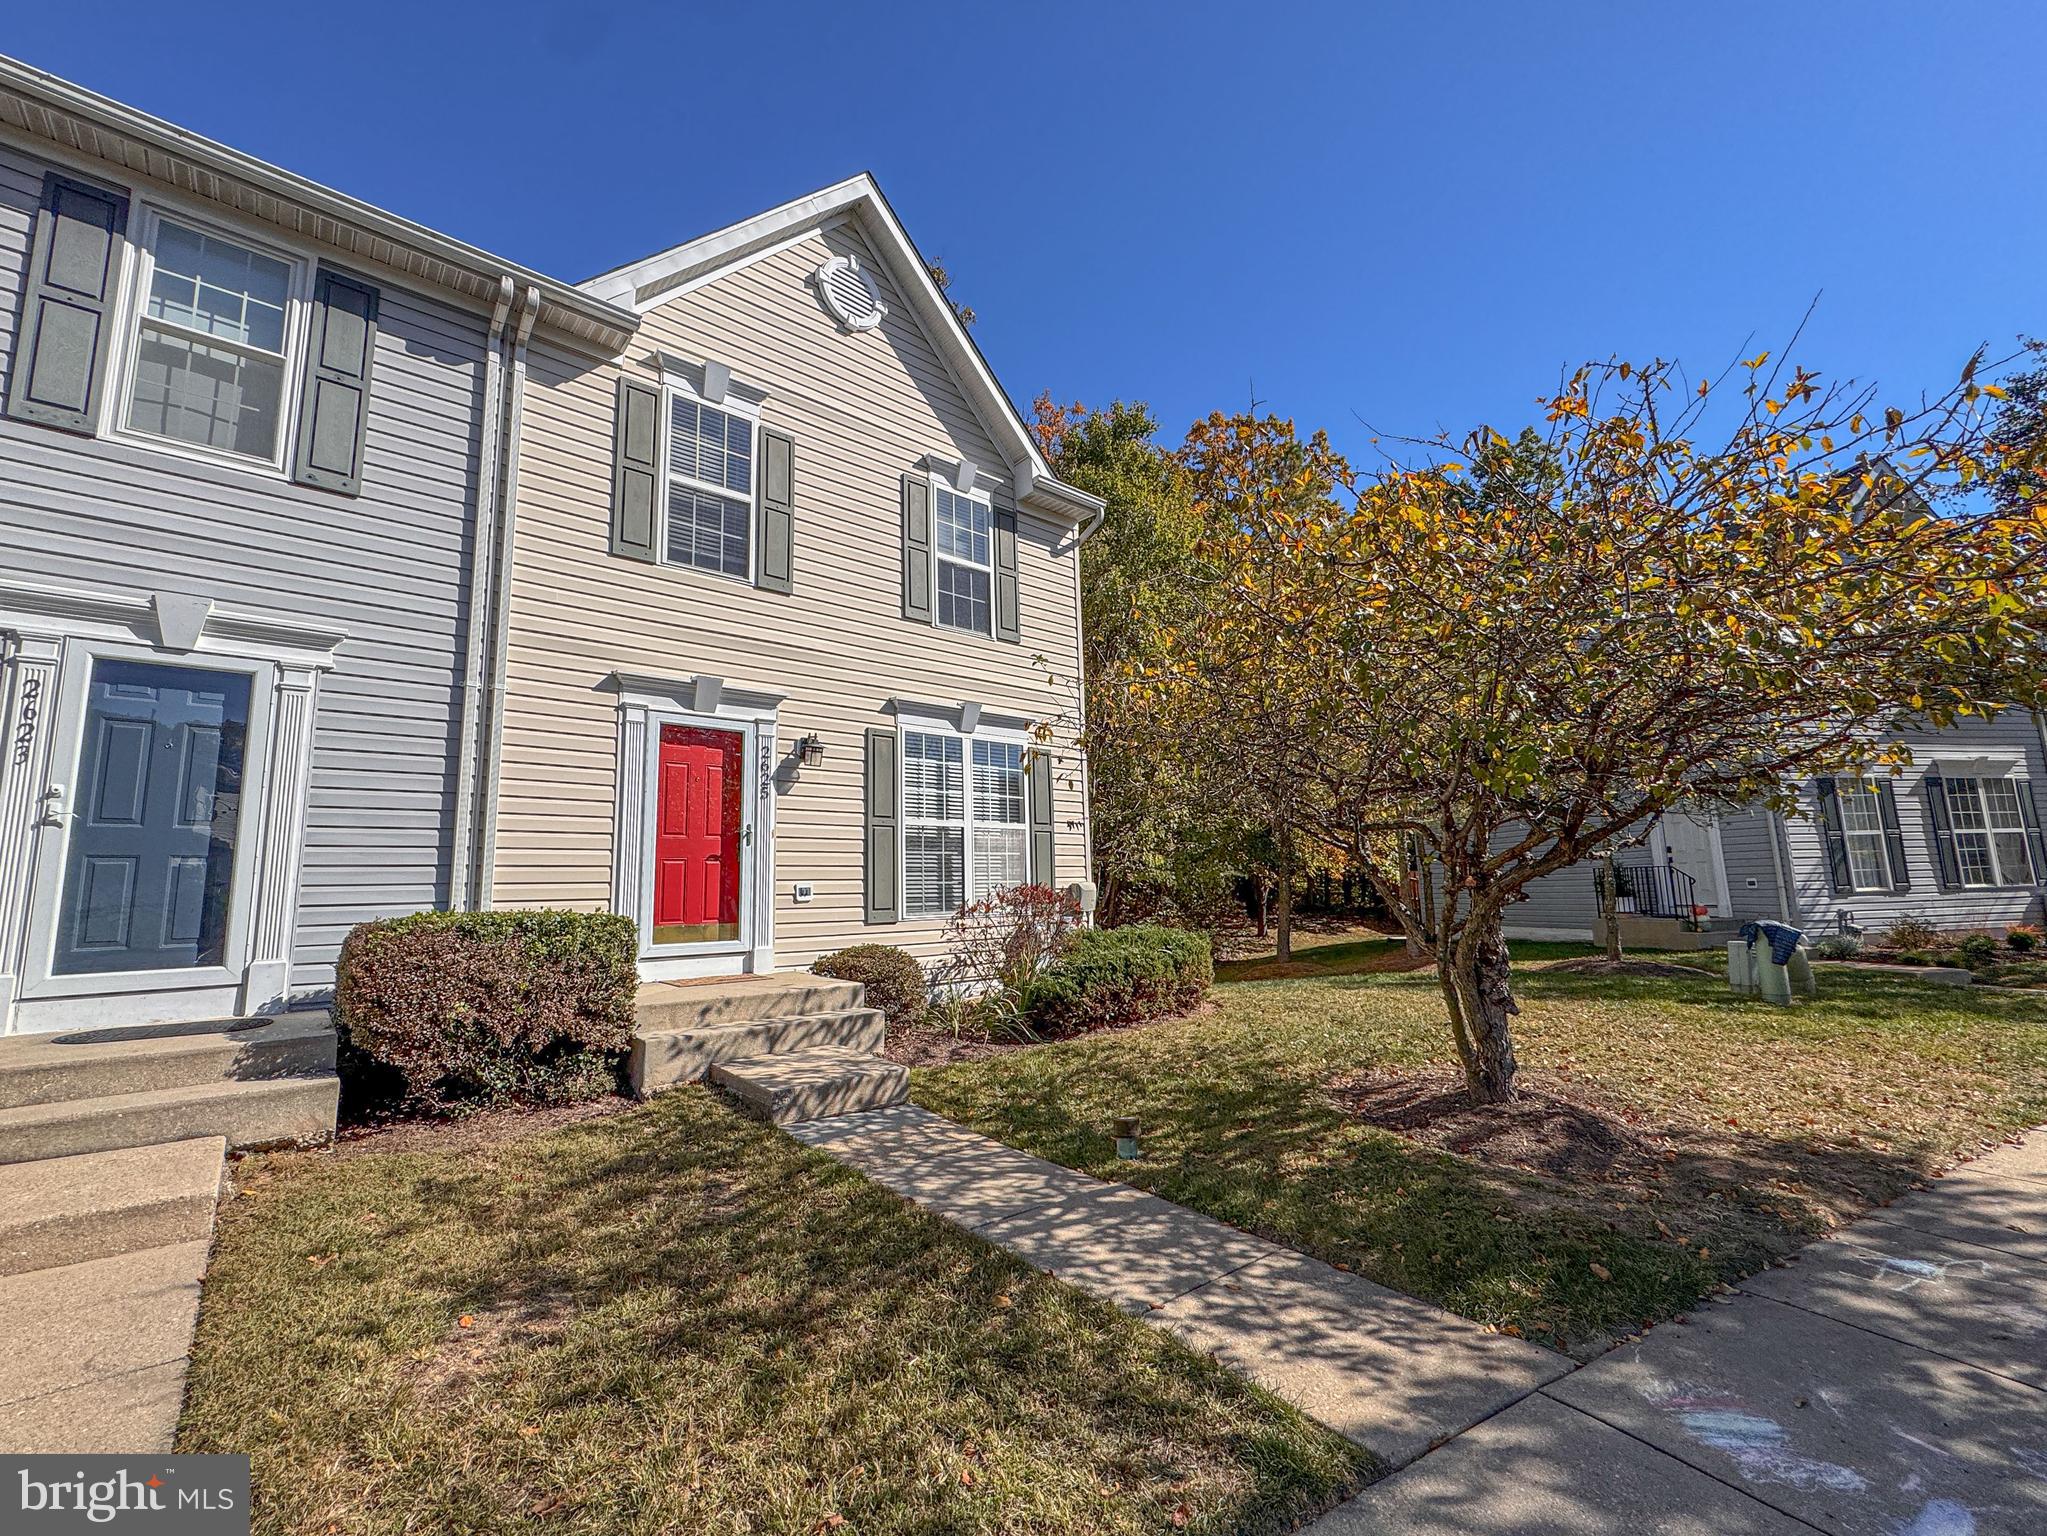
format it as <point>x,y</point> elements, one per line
<point>266,983</point>
<point>629,844</point>
<point>28,687</point>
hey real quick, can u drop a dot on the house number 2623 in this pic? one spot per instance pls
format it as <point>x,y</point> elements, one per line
<point>31,713</point>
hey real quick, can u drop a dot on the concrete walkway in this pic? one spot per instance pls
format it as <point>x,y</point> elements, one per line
<point>1393,1374</point>
<point>1893,1382</point>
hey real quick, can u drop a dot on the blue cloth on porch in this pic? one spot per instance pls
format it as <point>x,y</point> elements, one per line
<point>1782,939</point>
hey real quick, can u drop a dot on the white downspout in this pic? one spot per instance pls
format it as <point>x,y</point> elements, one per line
<point>508,520</point>
<point>1087,806</point>
<point>482,575</point>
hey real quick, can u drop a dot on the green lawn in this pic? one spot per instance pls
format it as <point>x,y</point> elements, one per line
<point>1749,1128</point>
<point>677,1319</point>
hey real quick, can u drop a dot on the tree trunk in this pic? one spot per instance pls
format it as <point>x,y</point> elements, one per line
<point>1286,896</point>
<point>1264,906</point>
<point>1610,909</point>
<point>1479,989</point>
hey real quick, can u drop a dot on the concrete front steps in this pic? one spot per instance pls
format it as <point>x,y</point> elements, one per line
<point>101,1258</point>
<point>794,1048</point>
<point>251,1083</point>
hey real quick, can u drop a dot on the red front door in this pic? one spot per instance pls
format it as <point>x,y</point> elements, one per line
<point>696,836</point>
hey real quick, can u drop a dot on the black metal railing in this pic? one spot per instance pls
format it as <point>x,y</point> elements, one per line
<point>1654,890</point>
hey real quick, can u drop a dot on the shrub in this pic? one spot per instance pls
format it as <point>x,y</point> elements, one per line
<point>1911,933</point>
<point>894,980</point>
<point>2026,973</point>
<point>452,1010</point>
<point>1913,957</point>
<point>1837,946</point>
<point>1105,976</point>
<point>2023,939</point>
<point>1009,937</point>
<point>1977,949</point>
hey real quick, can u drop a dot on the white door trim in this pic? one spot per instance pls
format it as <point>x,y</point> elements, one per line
<point>49,637</point>
<point>645,705</point>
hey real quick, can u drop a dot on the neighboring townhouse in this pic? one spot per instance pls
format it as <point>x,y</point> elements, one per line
<point>794,625</point>
<point>1955,839</point>
<point>249,471</point>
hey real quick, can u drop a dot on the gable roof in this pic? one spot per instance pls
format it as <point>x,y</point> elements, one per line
<point>656,279</point>
<point>84,123</point>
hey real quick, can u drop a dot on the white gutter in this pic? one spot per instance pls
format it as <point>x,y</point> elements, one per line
<point>482,576</point>
<point>492,767</point>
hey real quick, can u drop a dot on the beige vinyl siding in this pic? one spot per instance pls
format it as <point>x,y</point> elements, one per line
<point>864,409</point>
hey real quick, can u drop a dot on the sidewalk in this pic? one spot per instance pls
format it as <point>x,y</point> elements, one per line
<point>1393,1374</point>
<point>1893,1382</point>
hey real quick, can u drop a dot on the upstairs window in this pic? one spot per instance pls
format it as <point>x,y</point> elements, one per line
<point>710,487</point>
<point>1990,832</point>
<point>966,569</point>
<point>213,342</point>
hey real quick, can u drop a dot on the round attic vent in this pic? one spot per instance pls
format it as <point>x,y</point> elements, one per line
<point>849,294</point>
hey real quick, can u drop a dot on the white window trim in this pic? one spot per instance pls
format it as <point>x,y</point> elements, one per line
<point>1843,786</point>
<point>675,386</point>
<point>2001,878</point>
<point>924,725</point>
<point>141,266</point>
<point>943,484</point>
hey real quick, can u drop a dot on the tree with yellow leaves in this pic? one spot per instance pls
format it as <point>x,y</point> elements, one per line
<point>1482,667</point>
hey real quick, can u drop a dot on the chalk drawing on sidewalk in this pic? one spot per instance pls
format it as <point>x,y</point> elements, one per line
<point>1759,1446</point>
<point>1891,1272</point>
<point>1941,1517</point>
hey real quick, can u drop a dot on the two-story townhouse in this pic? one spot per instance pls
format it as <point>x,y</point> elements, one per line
<point>1954,839</point>
<point>251,468</point>
<point>793,651</point>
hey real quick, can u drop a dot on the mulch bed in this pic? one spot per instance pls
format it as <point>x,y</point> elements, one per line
<point>922,1045</point>
<point>470,1133</point>
<point>1547,1129</point>
<point>1599,965</point>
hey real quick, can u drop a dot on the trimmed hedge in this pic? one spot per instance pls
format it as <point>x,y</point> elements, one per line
<point>452,1010</point>
<point>894,980</point>
<point>1105,976</point>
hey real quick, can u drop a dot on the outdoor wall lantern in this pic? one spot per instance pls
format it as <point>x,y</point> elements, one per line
<point>810,750</point>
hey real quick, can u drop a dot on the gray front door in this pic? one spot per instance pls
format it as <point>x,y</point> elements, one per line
<point>149,865</point>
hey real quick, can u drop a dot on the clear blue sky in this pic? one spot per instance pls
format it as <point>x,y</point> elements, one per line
<point>1412,214</point>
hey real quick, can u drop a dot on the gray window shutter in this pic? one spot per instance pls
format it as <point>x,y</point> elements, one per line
<point>917,571</point>
<point>2029,809</point>
<point>884,845</point>
<point>341,348</point>
<point>775,569</point>
<point>1838,871</point>
<point>67,306</point>
<point>1038,810</point>
<point>1894,836</point>
<point>1943,833</point>
<point>1007,623</point>
<point>635,470</point>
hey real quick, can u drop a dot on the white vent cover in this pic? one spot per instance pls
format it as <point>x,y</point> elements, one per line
<point>849,294</point>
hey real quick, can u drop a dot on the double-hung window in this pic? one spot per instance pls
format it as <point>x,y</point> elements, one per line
<point>966,563</point>
<point>213,338</point>
<point>710,486</point>
<point>964,832</point>
<point>1989,831</point>
<point>1862,830</point>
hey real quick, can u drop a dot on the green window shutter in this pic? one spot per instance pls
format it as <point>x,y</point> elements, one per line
<point>341,348</point>
<point>775,570</point>
<point>1007,623</point>
<point>2029,810</point>
<point>61,345</point>
<point>1944,859</point>
<point>635,470</point>
<point>884,842</point>
<point>917,571</point>
<point>1838,871</point>
<point>1894,836</point>
<point>1038,810</point>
